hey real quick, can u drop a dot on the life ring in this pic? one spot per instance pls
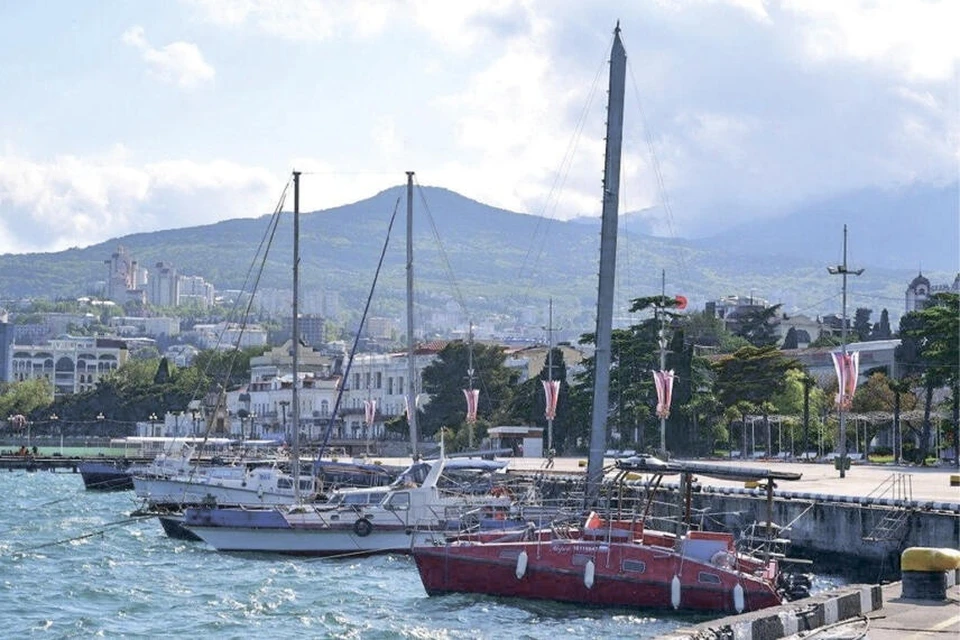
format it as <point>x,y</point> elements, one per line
<point>362,527</point>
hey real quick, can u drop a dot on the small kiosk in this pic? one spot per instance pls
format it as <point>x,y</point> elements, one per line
<point>526,442</point>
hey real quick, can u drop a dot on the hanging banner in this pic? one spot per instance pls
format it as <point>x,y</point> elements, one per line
<point>369,411</point>
<point>663,380</point>
<point>471,395</point>
<point>551,389</point>
<point>847,368</point>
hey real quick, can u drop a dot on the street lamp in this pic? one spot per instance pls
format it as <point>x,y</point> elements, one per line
<point>54,420</point>
<point>194,411</point>
<point>153,424</point>
<point>842,270</point>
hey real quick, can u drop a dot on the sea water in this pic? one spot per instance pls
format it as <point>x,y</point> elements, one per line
<point>75,564</point>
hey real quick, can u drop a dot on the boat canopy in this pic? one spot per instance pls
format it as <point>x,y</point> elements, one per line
<point>651,464</point>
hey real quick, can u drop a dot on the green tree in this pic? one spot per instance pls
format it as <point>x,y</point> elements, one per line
<point>751,375</point>
<point>930,344</point>
<point>25,398</point>
<point>861,324</point>
<point>445,378</point>
<point>881,330</point>
<point>757,325</point>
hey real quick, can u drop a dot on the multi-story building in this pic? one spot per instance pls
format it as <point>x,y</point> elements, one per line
<point>72,365</point>
<point>153,327</point>
<point>229,335</point>
<point>194,289</point>
<point>6,348</point>
<point>125,277</point>
<point>163,287</point>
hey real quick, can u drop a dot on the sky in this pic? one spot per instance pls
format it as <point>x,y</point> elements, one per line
<point>123,116</point>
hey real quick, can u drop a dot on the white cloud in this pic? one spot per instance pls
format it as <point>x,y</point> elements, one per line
<point>78,201</point>
<point>179,63</point>
<point>300,19</point>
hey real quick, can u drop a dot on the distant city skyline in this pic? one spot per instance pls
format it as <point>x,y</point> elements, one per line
<point>121,118</point>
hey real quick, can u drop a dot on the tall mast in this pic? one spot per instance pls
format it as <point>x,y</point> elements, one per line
<point>608,263</point>
<point>295,418</point>
<point>411,365</point>
<point>470,372</point>
<point>662,341</point>
<point>550,370</point>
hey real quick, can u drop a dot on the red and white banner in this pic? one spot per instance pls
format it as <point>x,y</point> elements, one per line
<point>664,383</point>
<point>471,395</point>
<point>369,411</point>
<point>847,367</point>
<point>551,389</point>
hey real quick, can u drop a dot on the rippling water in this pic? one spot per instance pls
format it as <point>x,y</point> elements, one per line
<point>73,564</point>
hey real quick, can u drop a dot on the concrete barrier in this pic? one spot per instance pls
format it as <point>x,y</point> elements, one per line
<point>817,611</point>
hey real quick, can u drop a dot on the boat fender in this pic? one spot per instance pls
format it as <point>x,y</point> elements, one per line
<point>675,592</point>
<point>738,603</point>
<point>362,527</point>
<point>521,565</point>
<point>589,573</point>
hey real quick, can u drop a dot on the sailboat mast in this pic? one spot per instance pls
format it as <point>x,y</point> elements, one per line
<point>608,261</point>
<point>550,372</point>
<point>662,343</point>
<point>411,365</point>
<point>295,416</point>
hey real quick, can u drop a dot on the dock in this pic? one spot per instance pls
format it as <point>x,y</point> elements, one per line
<point>878,612</point>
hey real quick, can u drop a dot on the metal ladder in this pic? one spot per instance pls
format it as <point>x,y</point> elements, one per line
<point>892,526</point>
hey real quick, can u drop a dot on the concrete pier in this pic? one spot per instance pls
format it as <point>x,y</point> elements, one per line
<point>869,611</point>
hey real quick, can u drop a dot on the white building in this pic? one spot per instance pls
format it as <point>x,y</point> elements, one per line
<point>71,365</point>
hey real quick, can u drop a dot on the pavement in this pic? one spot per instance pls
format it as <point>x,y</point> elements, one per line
<point>905,618</point>
<point>877,480</point>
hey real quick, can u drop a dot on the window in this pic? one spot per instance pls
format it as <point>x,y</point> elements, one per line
<point>378,380</point>
<point>634,566</point>
<point>389,386</point>
<point>708,578</point>
<point>398,501</point>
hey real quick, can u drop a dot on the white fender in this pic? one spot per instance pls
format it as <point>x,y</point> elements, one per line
<point>521,565</point>
<point>588,574</point>
<point>675,591</point>
<point>738,603</point>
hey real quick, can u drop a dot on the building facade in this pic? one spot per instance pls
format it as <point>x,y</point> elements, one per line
<point>71,365</point>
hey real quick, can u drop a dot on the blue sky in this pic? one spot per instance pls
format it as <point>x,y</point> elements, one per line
<point>125,116</point>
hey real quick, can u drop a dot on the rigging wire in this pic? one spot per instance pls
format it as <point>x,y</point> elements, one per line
<point>356,339</point>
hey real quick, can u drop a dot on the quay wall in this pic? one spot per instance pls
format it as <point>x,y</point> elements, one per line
<point>831,524</point>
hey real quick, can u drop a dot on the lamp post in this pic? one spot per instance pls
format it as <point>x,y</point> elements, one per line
<point>153,424</point>
<point>842,270</point>
<point>54,420</point>
<point>194,411</point>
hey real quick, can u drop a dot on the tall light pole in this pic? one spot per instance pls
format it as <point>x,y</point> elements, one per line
<point>842,270</point>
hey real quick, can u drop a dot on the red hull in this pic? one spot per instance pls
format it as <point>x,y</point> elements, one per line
<point>624,575</point>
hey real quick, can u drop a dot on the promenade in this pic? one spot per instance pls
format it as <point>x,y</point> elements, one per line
<point>926,483</point>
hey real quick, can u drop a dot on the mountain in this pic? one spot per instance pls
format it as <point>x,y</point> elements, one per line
<point>915,227</point>
<point>502,263</point>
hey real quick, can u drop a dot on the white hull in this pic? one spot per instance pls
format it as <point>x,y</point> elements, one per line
<point>174,491</point>
<point>312,542</point>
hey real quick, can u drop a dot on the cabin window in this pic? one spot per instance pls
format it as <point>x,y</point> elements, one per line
<point>398,501</point>
<point>580,560</point>
<point>708,578</point>
<point>306,485</point>
<point>509,554</point>
<point>284,483</point>
<point>634,566</point>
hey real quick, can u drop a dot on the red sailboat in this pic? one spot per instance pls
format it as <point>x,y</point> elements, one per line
<point>615,561</point>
